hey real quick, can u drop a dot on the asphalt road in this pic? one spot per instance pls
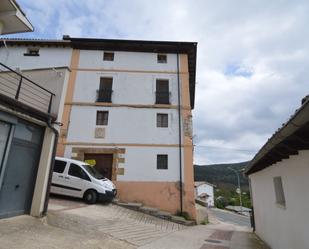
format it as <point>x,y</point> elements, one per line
<point>229,217</point>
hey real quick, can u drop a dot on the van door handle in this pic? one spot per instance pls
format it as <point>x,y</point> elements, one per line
<point>67,177</point>
<point>60,176</point>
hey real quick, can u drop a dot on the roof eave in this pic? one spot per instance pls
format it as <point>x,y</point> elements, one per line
<point>297,121</point>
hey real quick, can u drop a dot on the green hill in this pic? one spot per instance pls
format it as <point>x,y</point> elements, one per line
<point>221,175</point>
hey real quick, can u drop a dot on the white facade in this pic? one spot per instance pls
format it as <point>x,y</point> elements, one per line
<point>56,82</point>
<point>14,57</point>
<point>283,227</point>
<point>134,83</point>
<point>132,115</point>
<point>205,188</point>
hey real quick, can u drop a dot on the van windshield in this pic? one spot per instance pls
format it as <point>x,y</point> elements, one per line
<point>93,172</point>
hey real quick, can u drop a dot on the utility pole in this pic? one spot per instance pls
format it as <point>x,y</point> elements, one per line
<point>238,180</point>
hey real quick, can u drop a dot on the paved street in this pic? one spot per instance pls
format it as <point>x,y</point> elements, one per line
<point>72,224</point>
<point>232,218</point>
<point>134,227</point>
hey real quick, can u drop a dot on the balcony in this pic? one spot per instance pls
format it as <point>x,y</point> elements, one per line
<point>163,97</point>
<point>104,95</point>
<point>19,89</point>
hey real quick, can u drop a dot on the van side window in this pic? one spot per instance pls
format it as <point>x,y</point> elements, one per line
<point>59,166</point>
<point>77,171</point>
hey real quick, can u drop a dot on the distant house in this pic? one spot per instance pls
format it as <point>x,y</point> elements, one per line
<point>279,176</point>
<point>205,191</point>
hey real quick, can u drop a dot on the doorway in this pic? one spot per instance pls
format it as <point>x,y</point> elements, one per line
<point>104,163</point>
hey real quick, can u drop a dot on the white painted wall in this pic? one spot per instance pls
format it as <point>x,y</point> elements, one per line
<point>283,228</point>
<point>49,57</point>
<point>56,81</point>
<point>207,189</point>
<point>125,125</point>
<point>128,88</point>
<point>141,163</point>
<point>127,61</point>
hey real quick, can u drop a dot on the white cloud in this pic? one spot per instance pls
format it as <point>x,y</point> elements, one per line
<point>269,39</point>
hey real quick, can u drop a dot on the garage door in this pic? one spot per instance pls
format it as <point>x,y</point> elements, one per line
<point>20,170</point>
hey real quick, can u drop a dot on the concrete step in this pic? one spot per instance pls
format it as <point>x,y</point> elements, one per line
<point>155,212</point>
<point>115,201</point>
<point>131,205</point>
<point>164,215</point>
<point>182,220</point>
<point>149,210</point>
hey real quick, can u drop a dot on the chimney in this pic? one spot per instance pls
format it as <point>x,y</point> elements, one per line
<point>66,37</point>
<point>305,99</point>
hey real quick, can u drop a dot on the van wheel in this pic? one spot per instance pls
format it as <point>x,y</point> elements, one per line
<point>90,197</point>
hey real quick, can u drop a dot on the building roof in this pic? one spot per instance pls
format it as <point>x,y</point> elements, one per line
<point>13,18</point>
<point>197,184</point>
<point>189,48</point>
<point>286,141</point>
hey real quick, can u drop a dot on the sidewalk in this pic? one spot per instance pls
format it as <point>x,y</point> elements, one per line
<point>216,235</point>
<point>208,237</point>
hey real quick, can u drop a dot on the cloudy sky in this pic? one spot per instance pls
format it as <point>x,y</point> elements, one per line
<point>253,58</point>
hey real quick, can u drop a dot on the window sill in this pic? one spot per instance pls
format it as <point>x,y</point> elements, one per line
<point>31,54</point>
<point>280,205</point>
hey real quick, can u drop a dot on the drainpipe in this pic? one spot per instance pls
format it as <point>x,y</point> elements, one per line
<point>1,27</point>
<point>52,162</point>
<point>180,140</point>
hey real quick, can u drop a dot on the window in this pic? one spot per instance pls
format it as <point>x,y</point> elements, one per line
<point>77,171</point>
<point>108,56</point>
<point>162,92</point>
<point>162,161</point>
<point>105,90</point>
<point>32,52</point>
<point>280,199</point>
<point>162,58</point>
<point>102,118</point>
<point>59,166</point>
<point>162,120</point>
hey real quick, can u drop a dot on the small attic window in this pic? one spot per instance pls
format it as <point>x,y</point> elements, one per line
<point>32,52</point>
<point>108,56</point>
<point>162,58</point>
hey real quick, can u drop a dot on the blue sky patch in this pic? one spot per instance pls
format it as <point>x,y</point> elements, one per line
<point>235,69</point>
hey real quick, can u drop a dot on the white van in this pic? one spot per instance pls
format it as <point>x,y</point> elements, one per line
<point>79,179</point>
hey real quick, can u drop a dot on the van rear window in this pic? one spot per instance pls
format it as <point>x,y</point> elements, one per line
<point>59,166</point>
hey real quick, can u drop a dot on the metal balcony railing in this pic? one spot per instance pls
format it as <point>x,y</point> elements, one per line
<point>24,90</point>
<point>104,95</point>
<point>163,97</point>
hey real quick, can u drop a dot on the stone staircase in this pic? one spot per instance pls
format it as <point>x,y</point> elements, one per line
<point>154,212</point>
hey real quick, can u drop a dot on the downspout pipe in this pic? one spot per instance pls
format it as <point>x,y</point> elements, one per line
<point>52,162</point>
<point>179,139</point>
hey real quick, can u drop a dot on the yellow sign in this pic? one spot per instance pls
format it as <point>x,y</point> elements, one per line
<point>91,162</point>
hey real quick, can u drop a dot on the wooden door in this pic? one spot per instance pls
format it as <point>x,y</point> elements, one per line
<point>104,163</point>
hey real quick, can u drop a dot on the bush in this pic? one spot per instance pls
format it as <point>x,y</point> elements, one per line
<point>221,202</point>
